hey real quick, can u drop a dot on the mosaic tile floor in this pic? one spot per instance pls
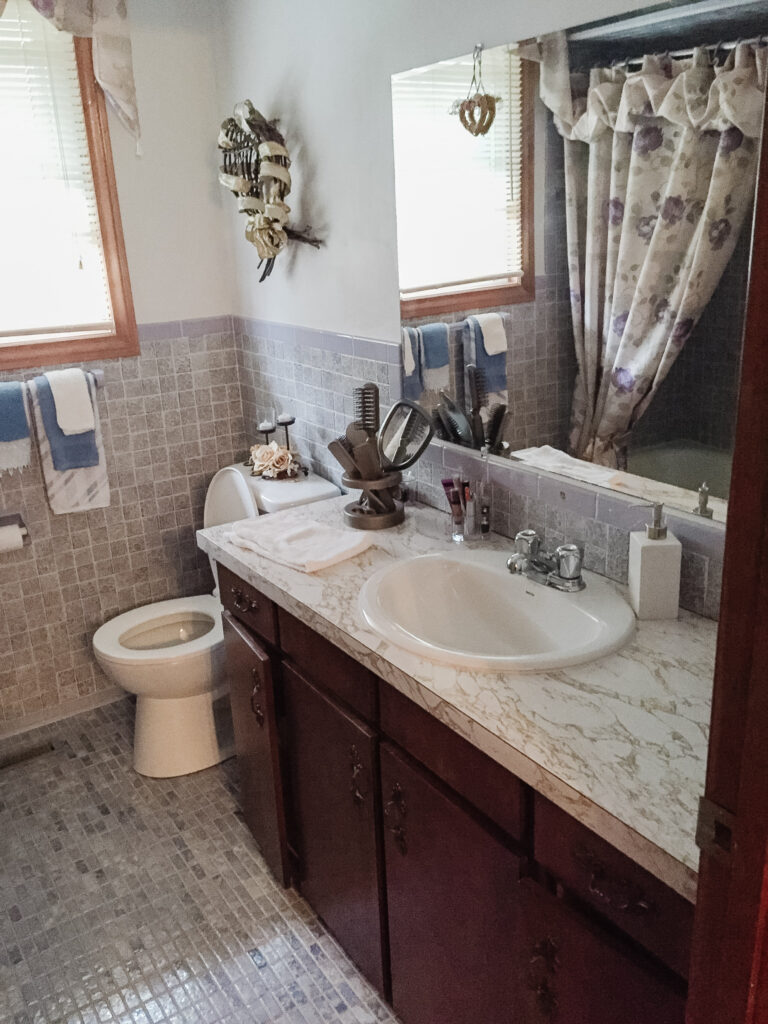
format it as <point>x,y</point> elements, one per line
<point>143,901</point>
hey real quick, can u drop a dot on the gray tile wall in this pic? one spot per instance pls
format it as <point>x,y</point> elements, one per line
<point>564,510</point>
<point>311,375</point>
<point>170,418</point>
<point>189,405</point>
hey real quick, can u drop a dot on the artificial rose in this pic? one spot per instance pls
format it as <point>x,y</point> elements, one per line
<point>271,461</point>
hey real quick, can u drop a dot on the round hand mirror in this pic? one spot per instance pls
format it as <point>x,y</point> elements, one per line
<point>404,434</point>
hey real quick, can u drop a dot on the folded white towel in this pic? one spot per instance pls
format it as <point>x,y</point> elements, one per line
<point>298,542</point>
<point>552,459</point>
<point>74,412</point>
<point>494,335</point>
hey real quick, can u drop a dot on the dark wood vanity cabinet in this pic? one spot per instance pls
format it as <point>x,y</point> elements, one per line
<point>252,696</point>
<point>449,882</point>
<point>569,971</point>
<point>333,781</point>
<point>452,888</point>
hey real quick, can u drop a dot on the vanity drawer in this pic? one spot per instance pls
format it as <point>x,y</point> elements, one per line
<point>628,895</point>
<point>328,666</point>
<point>248,605</point>
<point>484,783</point>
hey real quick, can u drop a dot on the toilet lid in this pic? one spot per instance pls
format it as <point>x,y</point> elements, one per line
<point>228,499</point>
<point>138,625</point>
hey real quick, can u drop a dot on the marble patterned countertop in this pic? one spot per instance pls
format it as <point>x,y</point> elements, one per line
<point>619,743</point>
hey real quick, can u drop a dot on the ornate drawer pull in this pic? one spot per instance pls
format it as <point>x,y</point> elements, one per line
<point>401,841</point>
<point>242,602</point>
<point>396,802</point>
<point>256,707</point>
<point>546,951</point>
<point>356,766</point>
<point>547,1000</point>
<point>395,807</point>
<point>617,893</point>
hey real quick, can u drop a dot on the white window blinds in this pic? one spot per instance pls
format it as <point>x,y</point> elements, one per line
<point>53,282</point>
<point>458,196</point>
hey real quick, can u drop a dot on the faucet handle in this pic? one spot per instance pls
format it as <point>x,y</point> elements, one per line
<point>527,543</point>
<point>569,559</point>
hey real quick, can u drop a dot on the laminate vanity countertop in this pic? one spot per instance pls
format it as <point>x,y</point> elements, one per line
<point>619,743</point>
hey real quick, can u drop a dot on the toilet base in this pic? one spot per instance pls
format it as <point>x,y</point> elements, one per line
<point>182,735</point>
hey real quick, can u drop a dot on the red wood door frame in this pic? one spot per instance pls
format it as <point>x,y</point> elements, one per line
<point>729,970</point>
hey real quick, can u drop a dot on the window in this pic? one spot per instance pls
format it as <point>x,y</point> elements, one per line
<point>64,288</point>
<point>464,202</point>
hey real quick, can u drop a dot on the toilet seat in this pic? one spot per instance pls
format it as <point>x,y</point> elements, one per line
<point>107,640</point>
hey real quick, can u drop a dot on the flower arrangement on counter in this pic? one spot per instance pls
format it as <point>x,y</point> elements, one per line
<point>273,462</point>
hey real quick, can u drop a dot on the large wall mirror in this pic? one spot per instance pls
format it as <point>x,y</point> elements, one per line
<point>578,303</point>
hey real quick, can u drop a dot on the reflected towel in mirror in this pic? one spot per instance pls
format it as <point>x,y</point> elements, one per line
<point>15,441</point>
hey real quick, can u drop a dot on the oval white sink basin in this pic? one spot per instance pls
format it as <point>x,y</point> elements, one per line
<point>467,609</point>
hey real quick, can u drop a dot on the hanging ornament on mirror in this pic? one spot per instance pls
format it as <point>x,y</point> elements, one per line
<point>478,111</point>
<point>256,169</point>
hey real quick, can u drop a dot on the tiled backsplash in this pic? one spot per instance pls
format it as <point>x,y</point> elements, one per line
<point>310,374</point>
<point>564,510</point>
<point>189,405</point>
<point>170,419</point>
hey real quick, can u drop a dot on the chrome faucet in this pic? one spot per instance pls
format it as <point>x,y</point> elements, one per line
<point>560,569</point>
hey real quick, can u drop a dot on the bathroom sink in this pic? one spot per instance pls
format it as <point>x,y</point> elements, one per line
<point>467,609</point>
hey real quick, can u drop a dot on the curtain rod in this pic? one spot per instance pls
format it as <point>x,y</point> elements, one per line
<point>687,52</point>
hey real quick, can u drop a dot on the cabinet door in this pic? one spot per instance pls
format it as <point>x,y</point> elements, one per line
<point>252,695</point>
<point>333,779</point>
<point>572,973</point>
<point>452,895</point>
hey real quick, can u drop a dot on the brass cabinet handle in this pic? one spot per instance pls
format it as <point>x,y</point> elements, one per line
<point>256,707</point>
<point>543,965</point>
<point>356,767</point>
<point>396,808</point>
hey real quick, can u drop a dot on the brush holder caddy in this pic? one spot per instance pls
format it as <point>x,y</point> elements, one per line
<point>378,506</point>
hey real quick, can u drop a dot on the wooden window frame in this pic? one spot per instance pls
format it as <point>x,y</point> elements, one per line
<point>495,295</point>
<point>125,339</point>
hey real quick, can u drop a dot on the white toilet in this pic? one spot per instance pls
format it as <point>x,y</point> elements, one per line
<point>171,653</point>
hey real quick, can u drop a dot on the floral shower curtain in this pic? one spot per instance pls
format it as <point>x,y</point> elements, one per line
<point>106,22</point>
<point>660,168</point>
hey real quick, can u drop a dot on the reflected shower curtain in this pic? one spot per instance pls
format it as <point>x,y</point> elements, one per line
<point>660,168</point>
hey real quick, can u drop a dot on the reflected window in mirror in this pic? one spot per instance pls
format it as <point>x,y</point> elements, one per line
<point>464,201</point>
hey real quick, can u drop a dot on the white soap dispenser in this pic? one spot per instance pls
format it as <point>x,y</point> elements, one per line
<point>654,570</point>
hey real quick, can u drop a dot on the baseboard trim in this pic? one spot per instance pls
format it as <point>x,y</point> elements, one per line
<point>109,695</point>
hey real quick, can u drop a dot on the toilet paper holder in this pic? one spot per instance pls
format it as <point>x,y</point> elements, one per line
<point>15,519</point>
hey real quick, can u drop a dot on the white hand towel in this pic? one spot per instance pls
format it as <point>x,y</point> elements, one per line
<point>494,335</point>
<point>298,542</point>
<point>74,411</point>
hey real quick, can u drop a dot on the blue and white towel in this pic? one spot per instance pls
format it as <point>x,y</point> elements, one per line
<point>71,489</point>
<point>15,440</point>
<point>487,348</point>
<point>68,451</point>
<point>425,359</point>
<point>413,384</point>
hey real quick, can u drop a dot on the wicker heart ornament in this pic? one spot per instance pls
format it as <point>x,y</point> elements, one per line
<point>477,113</point>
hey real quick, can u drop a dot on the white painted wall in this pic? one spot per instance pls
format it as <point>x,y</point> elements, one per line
<point>173,209</point>
<point>324,69</point>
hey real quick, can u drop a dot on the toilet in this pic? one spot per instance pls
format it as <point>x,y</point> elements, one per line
<point>170,654</point>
